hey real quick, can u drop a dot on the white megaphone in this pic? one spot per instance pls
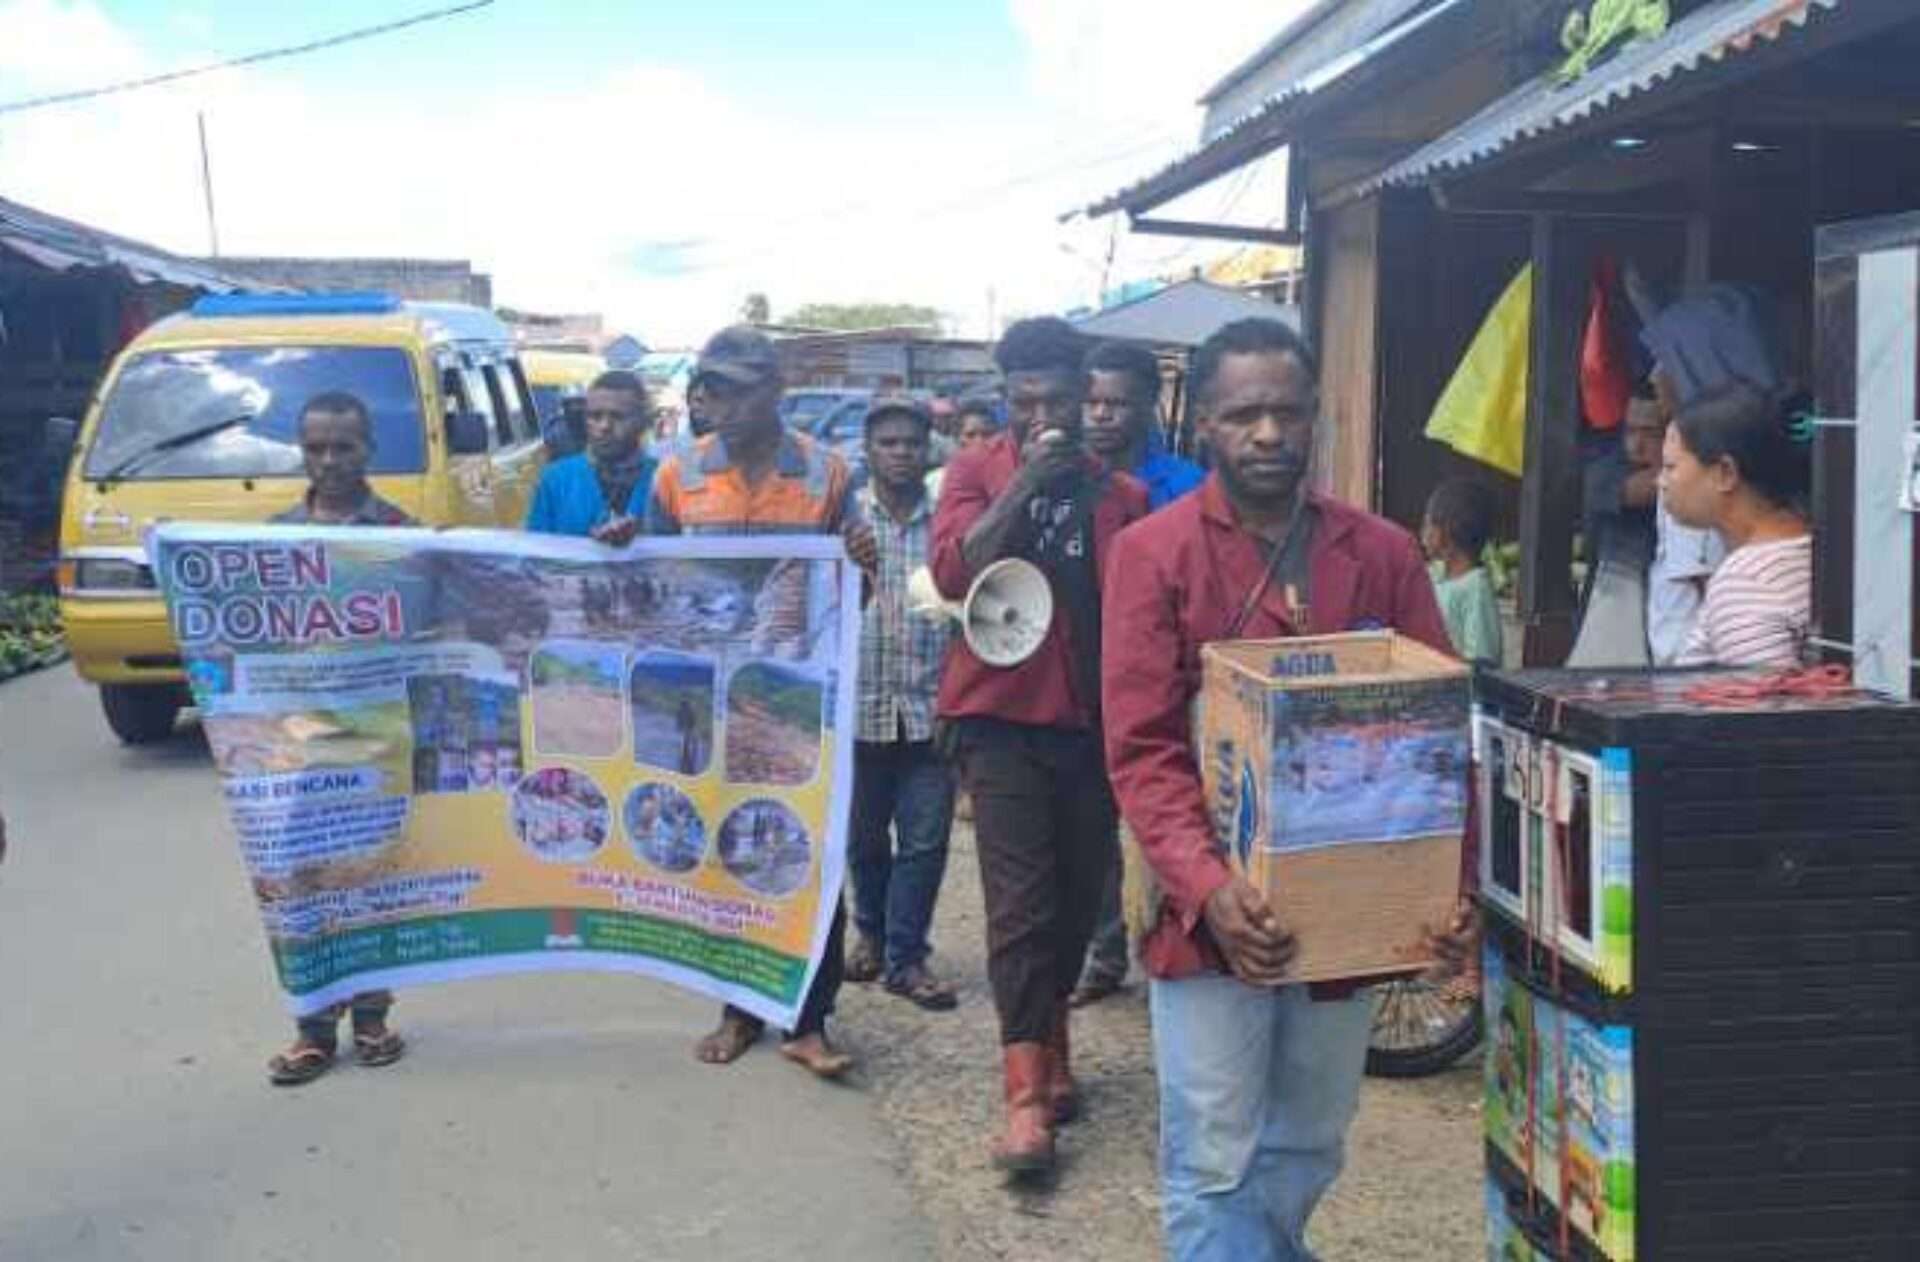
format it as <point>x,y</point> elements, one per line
<point>1006,612</point>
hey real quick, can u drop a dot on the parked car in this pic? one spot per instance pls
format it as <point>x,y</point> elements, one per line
<point>838,418</point>
<point>802,407</point>
<point>842,427</point>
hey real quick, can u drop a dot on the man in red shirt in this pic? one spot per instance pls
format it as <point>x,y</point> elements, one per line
<point>1258,1079</point>
<point>1026,738</point>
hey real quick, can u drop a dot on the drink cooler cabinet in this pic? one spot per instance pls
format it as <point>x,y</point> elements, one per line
<point>1703,971</point>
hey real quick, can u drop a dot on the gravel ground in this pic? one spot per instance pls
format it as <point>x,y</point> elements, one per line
<point>1411,1191</point>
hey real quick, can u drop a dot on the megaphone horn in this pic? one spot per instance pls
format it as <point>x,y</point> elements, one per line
<point>1007,612</point>
<point>989,608</point>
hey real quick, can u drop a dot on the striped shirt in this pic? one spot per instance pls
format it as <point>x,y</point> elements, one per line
<point>901,650</point>
<point>1759,608</point>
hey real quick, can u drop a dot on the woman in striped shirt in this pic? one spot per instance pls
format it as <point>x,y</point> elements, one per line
<point>1737,461</point>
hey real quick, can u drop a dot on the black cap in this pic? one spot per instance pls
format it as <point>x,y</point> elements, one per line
<point>740,354</point>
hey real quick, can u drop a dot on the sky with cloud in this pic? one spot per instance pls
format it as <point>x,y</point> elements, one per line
<point>656,162</point>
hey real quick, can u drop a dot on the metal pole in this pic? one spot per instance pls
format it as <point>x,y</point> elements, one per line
<point>206,185</point>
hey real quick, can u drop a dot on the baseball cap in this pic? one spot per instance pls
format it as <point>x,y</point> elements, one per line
<point>740,354</point>
<point>898,405</point>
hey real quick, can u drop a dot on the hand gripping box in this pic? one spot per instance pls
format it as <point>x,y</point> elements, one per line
<point>1336,769</point>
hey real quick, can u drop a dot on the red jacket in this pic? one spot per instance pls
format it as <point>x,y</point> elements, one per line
<point>1175,582</point>
<point>1039,691</point>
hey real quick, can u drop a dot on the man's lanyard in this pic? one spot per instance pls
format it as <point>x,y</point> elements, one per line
<point>1277,561</point>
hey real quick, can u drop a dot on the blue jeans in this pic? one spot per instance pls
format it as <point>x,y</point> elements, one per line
<point>1257,1088</point>
<point>902,812</point>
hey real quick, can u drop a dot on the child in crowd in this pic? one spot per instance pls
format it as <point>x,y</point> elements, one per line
<point>1458,524</point>
<point>1737,461</point>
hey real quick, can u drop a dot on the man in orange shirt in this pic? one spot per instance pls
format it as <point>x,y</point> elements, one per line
<point>751,476</point>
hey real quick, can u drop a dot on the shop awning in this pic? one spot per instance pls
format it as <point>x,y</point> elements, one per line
<point>61,245</point>
<point>1717,40</point>
<point>1268,126</point>
<point>1182,314</point>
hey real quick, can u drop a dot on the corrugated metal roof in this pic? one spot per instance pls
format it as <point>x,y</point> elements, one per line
<point>1325,23</point>
<point>1264,128</point>
<point>1705,37</point>
<point>62,244</point>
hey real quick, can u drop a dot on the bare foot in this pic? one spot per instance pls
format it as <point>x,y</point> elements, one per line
<point>814,1054</point>
<point>729,1041</point>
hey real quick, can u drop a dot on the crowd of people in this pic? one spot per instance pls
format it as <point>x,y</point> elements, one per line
<point>1090,739</point>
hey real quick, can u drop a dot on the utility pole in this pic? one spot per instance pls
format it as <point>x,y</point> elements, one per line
<point>206,185</point>
<point>1106,264</point>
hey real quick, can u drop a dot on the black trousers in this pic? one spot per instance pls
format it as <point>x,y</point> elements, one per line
<point>826,983</point>
<point>1045,828</point>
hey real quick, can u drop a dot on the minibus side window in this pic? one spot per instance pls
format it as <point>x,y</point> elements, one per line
<point>505,419</point>
<point>480,397</point>
<point>466,432</point>
<point>520,400</point>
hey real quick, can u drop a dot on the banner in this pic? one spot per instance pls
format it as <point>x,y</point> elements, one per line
<point>459,753</point>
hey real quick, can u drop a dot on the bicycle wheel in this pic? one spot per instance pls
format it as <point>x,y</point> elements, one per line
<point>1420,1028</point>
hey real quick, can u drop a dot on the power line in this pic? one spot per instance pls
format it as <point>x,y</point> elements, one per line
<point>965,201</point>
<point>251,59</point>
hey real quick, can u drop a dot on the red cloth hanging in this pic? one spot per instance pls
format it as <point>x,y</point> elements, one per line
<point>1606,380</point>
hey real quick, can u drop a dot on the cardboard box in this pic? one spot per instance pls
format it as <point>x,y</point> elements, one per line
<point>1337,771</point>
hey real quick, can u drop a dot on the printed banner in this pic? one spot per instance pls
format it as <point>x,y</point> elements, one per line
<point>458,753</point>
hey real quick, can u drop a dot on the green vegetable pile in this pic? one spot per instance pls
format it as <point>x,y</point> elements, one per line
<point>1502,559</point>
<point>30,635</point>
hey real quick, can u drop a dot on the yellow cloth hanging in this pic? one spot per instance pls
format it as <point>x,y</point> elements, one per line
<point>1483,411</point>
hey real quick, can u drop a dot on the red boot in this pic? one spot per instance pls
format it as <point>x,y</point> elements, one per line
<point>1063,1096</point>
<point>1027,1145</point>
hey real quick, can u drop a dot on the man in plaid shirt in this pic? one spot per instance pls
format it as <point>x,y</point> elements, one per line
<point>902,790</point>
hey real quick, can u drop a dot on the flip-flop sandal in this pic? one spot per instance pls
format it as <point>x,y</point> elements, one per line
<point>1092,992</point>
<point>831,1066</point>
<point>923,990</point>
<point>375,1050</point>
<point>299,1064</point>
<point>729,1042</point>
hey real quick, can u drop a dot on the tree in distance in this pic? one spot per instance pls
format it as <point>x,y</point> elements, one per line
<point>853,316</point>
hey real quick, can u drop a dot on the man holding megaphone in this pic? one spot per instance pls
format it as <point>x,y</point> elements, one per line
<point>1024,734</point>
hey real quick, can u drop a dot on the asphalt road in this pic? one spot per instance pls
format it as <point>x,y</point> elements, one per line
<point>533,1117</point>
